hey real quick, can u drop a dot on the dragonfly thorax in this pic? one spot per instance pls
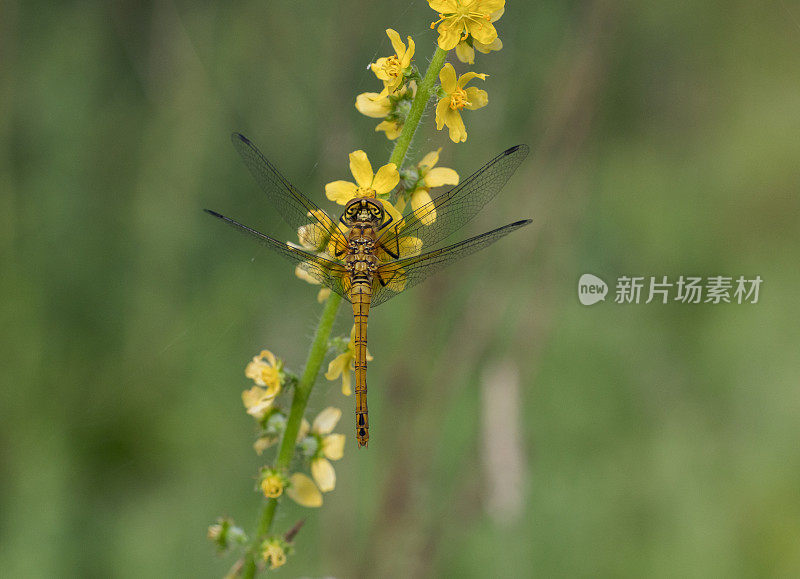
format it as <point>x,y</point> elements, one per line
<point>363,210</point>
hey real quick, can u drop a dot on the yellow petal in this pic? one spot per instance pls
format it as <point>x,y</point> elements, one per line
<point>487,48</point>
<point>340,191</point>
<point>442,107</point>
<point>339,364</point>
<point>303,491</point>
<point>397,44</point>
<point>448,36</point>
<point>466,77</point>
<point>272,553</point>
<point>378,67</point>
<point>253,396</point>
<point>482,31</point>
<point>333,446</point>
<point>429,160</point>
<point>389,87</point>
<point>269,357</point>
<point>410,246</point>
<point>492,7</point>
<point>305,428</point>
<point>311,236</point>
<point>439,176</point>
<point>264,443</point>
<point>324,474</point>
<point>454,122</point>
<point>443,6</point>
<point>386,179</point>
<point>346,389</point>
<point>419,198</point>
<point>253,369</point>
<point>326,420</point>
<point>465,52</point>
<point>391,128</point>
<point>497,14</point>
<point>477,98</point>
<point>258,411</point>
<point>272,486</point>
<point>323,295</point>
<point>447,76</point>
<point>406,60</point>
<point>361,169</point>
<point>301,271</point>
<point>373,105</point>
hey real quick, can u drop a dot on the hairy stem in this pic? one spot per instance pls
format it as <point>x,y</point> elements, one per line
<point>319,346</point>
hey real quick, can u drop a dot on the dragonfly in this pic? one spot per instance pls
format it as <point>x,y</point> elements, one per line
<point>367,256</point>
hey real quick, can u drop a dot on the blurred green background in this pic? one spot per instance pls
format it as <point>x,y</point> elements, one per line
<point>515,432</point>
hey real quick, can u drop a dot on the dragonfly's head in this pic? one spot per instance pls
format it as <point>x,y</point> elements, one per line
<point>363,210</point>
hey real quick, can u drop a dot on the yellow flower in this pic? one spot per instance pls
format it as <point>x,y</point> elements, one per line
<point>340,366</point>
<point>272,552</point>
<point>430,176</point>
<point>465,50</point>
<point>391,70</point>
<point>314,236</point>
<point>343,363</point>
<point>303,491</point>
<point>393,108</point>
<point>456,98</point>
<point>271,483</point>
<point>391,128</point>
<point>265,370</point>
<point>257,401</point>
<point>460,18</point>
<point>331,447</point>
<point>368,184</point>
<point>373,104</point>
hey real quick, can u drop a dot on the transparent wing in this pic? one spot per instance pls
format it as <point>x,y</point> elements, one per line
<point>315,226</point>
<point>439,218</point>
<point>329,273</point>
<point>397,276</point>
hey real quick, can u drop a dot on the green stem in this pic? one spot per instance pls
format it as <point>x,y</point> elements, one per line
<point>319,346</point>
<point>418,107</point>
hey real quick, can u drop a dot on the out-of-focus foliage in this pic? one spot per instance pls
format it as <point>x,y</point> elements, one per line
<point>657,440</point>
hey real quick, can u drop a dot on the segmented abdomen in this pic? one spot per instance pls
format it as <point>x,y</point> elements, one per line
<point>361,295</point>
